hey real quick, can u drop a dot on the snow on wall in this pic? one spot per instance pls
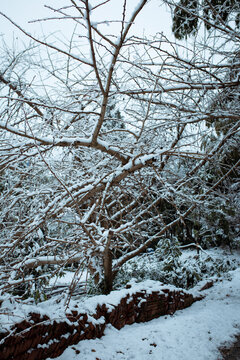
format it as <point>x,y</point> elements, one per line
<point>40,337</point>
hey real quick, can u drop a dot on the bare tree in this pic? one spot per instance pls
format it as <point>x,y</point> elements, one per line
<point>82,183</point>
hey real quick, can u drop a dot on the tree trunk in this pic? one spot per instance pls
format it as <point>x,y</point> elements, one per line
<point>108,275</point>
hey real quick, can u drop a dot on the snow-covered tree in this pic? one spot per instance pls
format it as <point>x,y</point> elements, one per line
<point>188,15</point>
<point>91,145</point>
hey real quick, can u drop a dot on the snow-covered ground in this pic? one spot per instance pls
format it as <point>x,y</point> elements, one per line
<point>67,278</point>
<point>194,333</point>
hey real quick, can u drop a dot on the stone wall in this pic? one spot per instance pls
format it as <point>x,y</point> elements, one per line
<point>39,337</point>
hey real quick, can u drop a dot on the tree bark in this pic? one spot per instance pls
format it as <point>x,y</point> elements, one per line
<point>108,275</point>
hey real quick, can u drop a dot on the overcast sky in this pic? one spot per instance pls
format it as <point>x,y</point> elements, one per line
<point>154,17</point>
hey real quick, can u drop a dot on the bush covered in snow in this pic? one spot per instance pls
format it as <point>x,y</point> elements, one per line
<point>170,265</point>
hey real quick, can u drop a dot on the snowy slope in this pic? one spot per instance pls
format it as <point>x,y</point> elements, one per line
<point>194,333</point>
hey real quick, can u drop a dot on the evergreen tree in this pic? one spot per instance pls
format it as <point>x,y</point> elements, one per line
<point>189,14</point>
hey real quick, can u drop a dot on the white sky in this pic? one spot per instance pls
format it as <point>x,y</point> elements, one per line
<point>154,18</point>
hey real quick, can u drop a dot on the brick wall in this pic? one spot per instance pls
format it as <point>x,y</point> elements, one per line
<point>39,337</point>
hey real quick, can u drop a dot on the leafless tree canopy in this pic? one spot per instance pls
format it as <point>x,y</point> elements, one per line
<point>99,134</point>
